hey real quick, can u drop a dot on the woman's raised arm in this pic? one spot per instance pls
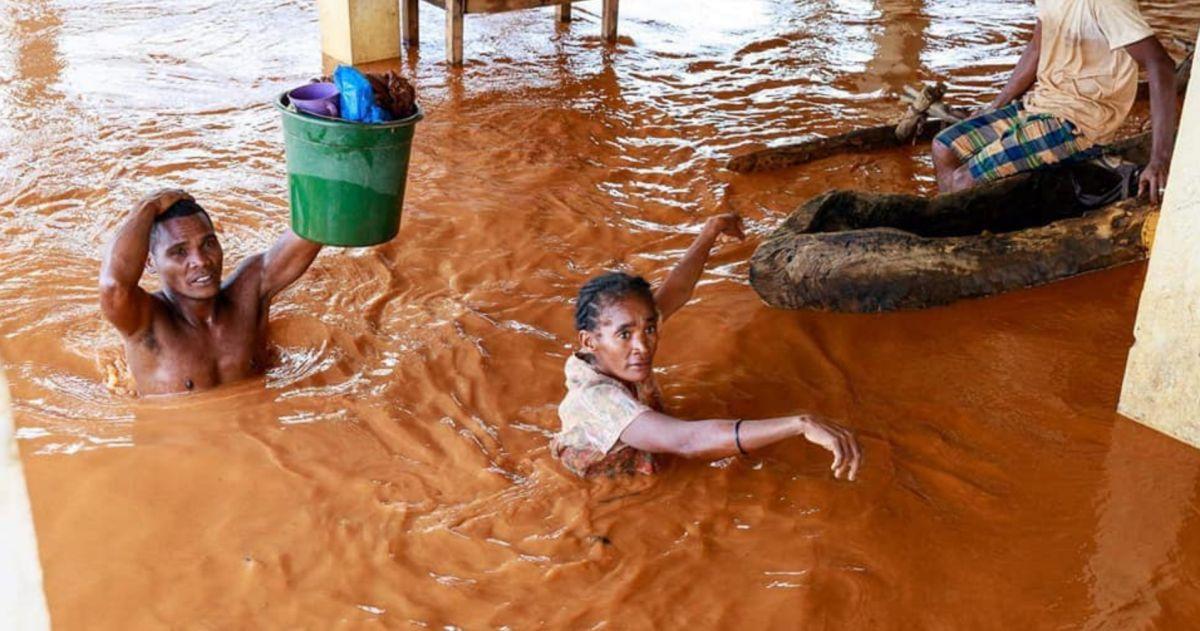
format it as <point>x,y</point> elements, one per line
<point>676,290</point>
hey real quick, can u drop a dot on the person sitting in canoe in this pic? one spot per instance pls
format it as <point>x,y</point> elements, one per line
<point>612,416</point>
<point>1071,90</point>
<point>196,332</point>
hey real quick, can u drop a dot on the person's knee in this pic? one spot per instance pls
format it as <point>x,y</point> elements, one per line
<point>962,179</point>
<point>943,155</point>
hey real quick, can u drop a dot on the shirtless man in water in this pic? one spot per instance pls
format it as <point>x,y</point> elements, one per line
<point>197,332</point>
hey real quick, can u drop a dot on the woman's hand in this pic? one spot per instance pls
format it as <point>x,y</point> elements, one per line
<point>726,223</point>
<point>846,454</point>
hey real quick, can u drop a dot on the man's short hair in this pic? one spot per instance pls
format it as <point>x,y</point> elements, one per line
<point>181,208</point>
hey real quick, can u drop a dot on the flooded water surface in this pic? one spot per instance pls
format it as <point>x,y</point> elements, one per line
<point>391,470</point>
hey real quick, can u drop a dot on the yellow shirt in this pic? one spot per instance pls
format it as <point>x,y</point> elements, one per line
<point>595,412</point>
<point>598,408</point>
<point>1084,74</point>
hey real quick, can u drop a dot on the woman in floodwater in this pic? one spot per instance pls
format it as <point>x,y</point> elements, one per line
<point>612,417</point>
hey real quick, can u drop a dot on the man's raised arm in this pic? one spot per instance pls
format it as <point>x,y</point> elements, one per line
<point>122,301</point>
<point>286,262</point>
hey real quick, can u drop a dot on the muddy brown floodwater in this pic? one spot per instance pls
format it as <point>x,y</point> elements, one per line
<point>391,470</point>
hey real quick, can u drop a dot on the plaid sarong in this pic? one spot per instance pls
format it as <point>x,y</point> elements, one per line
<point>1010,140</point>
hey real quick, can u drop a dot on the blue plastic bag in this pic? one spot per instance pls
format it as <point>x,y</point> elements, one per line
<point>357,97</point>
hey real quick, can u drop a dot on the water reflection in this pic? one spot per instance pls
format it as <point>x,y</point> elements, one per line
<point>1141,512</point>
<point>392,466</point>
<point>35,37</point>
<point>899,42</point>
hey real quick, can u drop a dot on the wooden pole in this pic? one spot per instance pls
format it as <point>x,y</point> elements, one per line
<point>609,21</point>
<point>410,24</point>
<point>455,12</point>
<point>564,12</point>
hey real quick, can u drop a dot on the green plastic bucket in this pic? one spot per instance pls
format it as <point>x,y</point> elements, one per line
<point>346,180</point>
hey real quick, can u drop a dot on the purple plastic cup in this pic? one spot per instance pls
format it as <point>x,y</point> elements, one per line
<point>316,98</point>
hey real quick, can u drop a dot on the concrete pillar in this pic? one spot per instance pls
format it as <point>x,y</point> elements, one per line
<point>1162,377</point>
<point>456,11</point>
<point>359,31</point>
<point>22,603</point>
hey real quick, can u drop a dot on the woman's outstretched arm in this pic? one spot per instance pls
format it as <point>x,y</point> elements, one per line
<point>656,432</point>
<point>676,290</point>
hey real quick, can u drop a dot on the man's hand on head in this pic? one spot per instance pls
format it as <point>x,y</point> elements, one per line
<point>162,199</point>
<point>126,305</point>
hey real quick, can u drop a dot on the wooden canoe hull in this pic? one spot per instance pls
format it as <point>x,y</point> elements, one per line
<point>859,252</point>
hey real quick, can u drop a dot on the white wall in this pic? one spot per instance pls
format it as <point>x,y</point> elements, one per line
<point>22,603</point>
<point>1162,377</point>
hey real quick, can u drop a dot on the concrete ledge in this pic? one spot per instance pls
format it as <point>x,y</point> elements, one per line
<point>1162,377</point>
<point>22,602</point>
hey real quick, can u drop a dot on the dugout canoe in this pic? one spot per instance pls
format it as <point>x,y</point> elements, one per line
<point>851,251</point>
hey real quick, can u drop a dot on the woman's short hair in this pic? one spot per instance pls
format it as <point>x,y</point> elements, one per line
<point>604,290</point>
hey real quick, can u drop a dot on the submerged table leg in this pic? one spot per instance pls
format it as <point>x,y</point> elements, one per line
<point>454,31</point>
<point>609,21</point>
<point>410,29</point>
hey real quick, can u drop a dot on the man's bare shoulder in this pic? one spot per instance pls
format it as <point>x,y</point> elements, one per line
<point>239,290</point>
<point>161,315</point>
<point>246,280</point>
